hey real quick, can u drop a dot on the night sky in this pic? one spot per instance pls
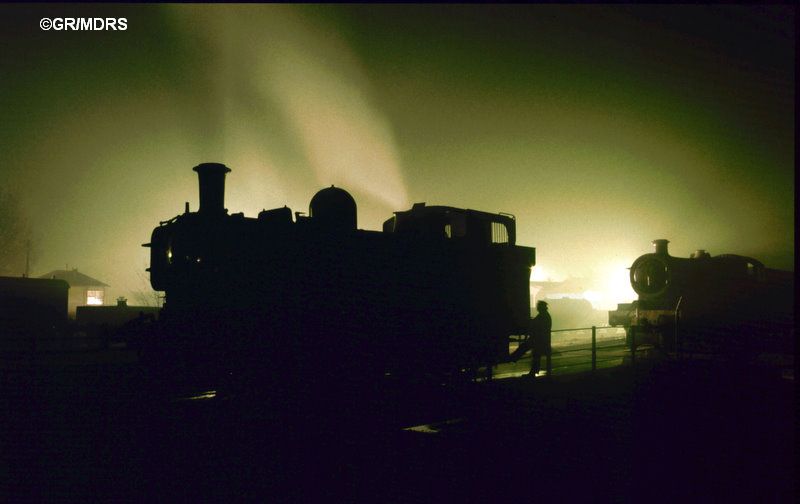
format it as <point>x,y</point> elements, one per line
<point>600,127</point>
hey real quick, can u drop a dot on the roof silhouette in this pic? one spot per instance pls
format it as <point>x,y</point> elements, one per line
<point>74,278</point>
<point>571,284</point>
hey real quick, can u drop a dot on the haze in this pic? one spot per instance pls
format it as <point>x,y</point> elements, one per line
<point>600,128</point>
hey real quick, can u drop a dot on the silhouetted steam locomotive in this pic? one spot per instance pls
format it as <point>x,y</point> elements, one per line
<point>722,304</point>
<point>439,288</point>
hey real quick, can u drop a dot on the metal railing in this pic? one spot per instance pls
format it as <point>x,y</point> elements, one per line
<point>576,350</point>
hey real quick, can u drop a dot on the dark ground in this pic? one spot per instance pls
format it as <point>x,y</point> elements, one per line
<point>667,432</point>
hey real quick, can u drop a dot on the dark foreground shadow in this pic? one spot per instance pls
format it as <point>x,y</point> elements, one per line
<point>675,432</point>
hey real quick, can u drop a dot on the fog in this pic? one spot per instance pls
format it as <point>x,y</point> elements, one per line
<point>599,128</point>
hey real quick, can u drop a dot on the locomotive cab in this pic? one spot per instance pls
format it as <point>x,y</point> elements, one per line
<point>471,226</point>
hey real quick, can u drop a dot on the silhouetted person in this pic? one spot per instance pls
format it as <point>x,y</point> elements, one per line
<point>540,337</point>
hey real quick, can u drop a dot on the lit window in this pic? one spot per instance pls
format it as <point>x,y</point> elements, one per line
<point>94,297</point>
<point>499,233</point>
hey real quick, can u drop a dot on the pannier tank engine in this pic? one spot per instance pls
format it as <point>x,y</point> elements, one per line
<point>724,304</point>
<point>438,289</point>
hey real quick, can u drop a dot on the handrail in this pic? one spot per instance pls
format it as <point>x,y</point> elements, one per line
<point>592,346</point>
<point>585,328</point>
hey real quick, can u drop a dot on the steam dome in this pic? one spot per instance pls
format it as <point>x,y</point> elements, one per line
<point>334,208</point>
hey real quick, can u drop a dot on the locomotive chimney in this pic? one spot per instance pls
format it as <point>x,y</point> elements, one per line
<point>661,247</point>
<point>212,187</point>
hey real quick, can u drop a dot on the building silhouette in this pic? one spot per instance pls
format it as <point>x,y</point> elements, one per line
<point>83,289</point>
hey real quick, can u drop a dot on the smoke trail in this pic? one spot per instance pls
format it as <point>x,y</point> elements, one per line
<point>296,107</point>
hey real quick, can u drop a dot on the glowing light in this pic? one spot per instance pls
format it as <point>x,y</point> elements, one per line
<point>619,285</point>
<point>613,287</point>
<point>434,428</point>
<point>94,297</point>
<point>539,274</point>
<point>209,394</point>
<point>593,297</point>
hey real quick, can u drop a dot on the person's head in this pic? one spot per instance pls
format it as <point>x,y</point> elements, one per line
<point>541,306</point>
